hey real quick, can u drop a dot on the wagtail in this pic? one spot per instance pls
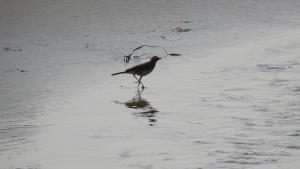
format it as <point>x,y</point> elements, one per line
<point>141,69</point>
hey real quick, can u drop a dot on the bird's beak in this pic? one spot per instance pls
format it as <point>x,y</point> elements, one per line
<point>159,58</point>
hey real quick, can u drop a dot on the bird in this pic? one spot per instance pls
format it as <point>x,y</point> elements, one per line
<point>141,70</point>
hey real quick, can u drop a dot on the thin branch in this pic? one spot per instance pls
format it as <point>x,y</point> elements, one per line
<point>128,57</point>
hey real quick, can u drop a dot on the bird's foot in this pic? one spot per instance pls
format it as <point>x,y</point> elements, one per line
<point>142,87</point>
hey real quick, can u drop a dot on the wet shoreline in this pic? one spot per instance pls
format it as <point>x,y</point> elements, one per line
<point>230,100</point>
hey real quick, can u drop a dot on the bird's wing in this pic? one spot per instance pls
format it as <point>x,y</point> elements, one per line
<point>138,67</point>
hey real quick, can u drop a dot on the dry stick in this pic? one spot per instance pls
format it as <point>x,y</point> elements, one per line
<point>128,57</point>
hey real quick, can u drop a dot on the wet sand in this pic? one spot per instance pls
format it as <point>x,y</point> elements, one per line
<point>231,100</point>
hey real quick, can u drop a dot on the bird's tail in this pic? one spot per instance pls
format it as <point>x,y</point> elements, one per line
<point>117,73</point>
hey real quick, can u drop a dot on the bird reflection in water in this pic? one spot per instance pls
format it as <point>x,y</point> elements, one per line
<point>143,106</point>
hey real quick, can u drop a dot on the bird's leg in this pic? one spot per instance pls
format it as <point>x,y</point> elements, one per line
<point>140,82</point>
<point>135,77</point>
<point>139,93</point>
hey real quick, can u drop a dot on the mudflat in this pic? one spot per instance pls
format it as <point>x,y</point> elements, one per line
<point>229,100</point>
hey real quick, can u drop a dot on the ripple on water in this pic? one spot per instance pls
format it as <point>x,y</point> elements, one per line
<point>269,68</point>
<point>253,157</point>
<point>296,89</point>
<point>296,133</point>
<point>278,82</point>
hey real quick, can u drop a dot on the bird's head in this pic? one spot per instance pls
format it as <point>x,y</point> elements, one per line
<point>155,58</point>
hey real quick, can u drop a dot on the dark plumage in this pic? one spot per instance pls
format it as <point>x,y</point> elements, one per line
<point>141,69</point>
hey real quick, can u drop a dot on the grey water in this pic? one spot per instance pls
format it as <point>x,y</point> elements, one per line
<point>229,100</point>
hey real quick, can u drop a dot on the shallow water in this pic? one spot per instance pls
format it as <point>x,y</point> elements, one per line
<point>231,100</point>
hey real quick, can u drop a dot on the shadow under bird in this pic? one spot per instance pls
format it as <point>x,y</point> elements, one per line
<point>141,70</point>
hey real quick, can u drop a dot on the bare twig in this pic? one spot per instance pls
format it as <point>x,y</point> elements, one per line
<point>128,57</point>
